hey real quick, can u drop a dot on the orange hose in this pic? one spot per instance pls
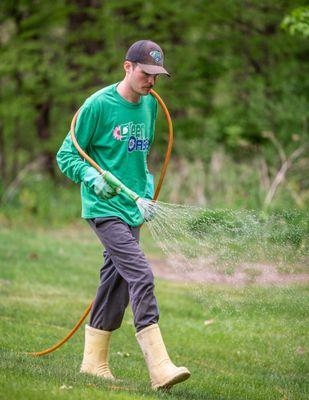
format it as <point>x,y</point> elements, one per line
<point>66,338</point>
<point>170,142</point>
<point>98,168</point>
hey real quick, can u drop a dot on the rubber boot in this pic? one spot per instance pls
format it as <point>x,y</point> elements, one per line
<point>95,359</point>
<point>163,373</point>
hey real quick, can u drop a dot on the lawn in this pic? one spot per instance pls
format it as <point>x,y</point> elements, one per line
<point>255,348</point>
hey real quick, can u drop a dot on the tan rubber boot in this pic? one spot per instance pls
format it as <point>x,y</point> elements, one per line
<point>95,359</point>
<point>163,373</point>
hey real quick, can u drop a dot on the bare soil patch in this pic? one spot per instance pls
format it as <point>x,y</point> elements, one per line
<point>244,274</point>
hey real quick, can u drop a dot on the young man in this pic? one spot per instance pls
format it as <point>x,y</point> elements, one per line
<point>116,128</point>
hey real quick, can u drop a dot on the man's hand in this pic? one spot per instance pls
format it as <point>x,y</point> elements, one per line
<point>94,180</point>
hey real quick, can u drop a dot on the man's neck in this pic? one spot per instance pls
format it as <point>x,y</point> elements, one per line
<point>125,91</point>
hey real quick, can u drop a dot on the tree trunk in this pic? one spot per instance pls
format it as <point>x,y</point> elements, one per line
<point>43,131</point>
<point>3,171</point>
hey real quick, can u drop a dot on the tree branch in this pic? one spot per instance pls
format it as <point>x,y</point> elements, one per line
<point>280,176</point>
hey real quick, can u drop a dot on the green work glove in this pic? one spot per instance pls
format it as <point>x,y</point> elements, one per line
<point>95,181</point>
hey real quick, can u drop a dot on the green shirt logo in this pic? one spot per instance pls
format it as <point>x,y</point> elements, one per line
<point>125,131</point>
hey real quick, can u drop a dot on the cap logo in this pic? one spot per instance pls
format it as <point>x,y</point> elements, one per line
<point>156,55</point>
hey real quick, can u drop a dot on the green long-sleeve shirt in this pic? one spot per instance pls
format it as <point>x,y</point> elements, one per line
<point>116,134</point>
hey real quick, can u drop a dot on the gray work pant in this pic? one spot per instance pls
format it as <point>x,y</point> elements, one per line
<point>125,275</point>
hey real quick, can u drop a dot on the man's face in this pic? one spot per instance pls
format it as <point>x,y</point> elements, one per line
<point>139,81</point>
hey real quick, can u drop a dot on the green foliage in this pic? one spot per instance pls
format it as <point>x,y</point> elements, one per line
<point>243,237</point>
<point>290,228</point>
<point>209,220</point>
<point>297,22</point>
<point>235,74</point>
<point>283,228</point>
<point>40,200</point>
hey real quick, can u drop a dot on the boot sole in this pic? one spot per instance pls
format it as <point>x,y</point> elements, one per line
<point>99,376</point>
<point>183,376</point>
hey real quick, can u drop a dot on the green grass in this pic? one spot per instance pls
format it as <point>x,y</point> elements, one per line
<point>256,348</point>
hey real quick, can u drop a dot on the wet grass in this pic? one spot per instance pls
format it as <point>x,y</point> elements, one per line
<point>255,348</point>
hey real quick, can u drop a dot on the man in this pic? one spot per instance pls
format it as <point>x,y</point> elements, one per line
<point>116,128</point>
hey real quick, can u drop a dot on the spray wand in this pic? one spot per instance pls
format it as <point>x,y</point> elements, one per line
<point>116,184</point>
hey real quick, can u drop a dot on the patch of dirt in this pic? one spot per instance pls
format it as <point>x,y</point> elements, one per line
<point>4,282</point>
<point>244,274</point>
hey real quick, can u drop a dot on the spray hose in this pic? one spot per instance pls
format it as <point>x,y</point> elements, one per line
<point>117,183</point>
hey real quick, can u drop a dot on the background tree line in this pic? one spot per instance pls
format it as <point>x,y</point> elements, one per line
<point>238,93</point>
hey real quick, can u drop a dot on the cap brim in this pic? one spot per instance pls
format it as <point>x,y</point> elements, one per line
<point>153,69</point>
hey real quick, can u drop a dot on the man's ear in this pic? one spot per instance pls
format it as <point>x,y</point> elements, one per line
<point>127,66</point>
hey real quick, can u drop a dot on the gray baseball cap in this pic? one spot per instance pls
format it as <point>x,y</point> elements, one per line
<point>148,55</point>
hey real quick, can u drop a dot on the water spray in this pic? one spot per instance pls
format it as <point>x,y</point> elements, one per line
<point>212,243</point>
<point>143,204</point>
